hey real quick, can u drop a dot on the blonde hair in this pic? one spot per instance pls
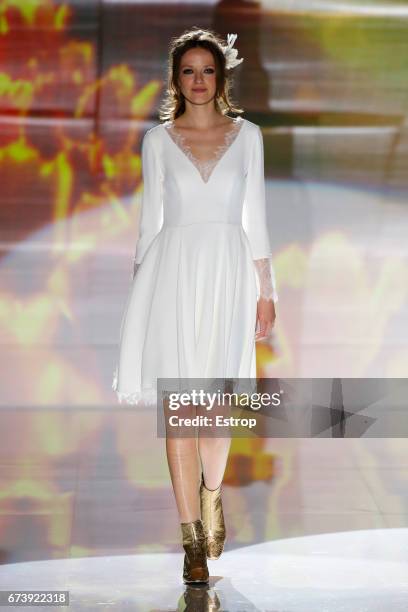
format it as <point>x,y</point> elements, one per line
<point>173,104</point>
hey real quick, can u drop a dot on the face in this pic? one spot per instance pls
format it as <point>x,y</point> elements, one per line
<point>197,76</point>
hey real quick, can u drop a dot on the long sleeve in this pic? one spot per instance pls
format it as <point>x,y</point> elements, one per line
<point>254,219</point>
<point>151,215</point>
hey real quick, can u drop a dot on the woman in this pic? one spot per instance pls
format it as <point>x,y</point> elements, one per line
<point>203,278</point>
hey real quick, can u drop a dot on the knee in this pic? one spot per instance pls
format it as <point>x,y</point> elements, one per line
<point>181,446</point>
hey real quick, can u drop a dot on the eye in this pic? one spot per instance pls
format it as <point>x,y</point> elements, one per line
<point>188,70</point>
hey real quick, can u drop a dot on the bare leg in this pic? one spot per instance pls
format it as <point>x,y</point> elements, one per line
<point>213,451</point>
<point>214,455</point>
<point>185,472</point>
<point>184,468</point>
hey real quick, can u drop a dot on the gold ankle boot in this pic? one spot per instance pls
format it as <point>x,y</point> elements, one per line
<point>195,560</point>
<point>213,520</point>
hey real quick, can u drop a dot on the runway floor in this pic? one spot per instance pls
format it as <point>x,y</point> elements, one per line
<point>328,531</point>
<point>356,571</point>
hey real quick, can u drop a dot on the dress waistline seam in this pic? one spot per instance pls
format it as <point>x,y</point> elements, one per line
<point>165,225</point>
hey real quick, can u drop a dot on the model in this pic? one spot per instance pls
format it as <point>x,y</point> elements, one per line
<point>203,289</point>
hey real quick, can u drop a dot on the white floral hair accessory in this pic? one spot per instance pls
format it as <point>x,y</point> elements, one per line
<point>230,53</point>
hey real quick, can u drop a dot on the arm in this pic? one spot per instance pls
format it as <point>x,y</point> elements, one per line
<point>151,215</point>
<point>266,277</point>
<point>254,220</point>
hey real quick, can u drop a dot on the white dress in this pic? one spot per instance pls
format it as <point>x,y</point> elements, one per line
<point>191,308</point>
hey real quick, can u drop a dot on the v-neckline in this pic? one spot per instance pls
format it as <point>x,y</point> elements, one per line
<point>205,168</point>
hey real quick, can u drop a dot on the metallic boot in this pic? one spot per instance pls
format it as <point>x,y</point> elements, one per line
<point>213,520</point>
<point>195,560</point>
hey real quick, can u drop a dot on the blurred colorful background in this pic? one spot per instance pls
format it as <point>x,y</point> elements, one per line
<point>80,83</point>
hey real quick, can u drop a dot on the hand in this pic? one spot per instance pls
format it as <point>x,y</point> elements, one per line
<point>266,316</point>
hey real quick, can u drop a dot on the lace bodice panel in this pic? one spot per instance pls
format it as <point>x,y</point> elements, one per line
<point>205,167</point>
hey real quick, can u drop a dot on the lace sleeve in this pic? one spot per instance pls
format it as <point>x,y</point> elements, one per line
<point>266,278</point>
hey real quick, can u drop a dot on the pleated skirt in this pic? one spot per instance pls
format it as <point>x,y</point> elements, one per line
<point>190,311</point>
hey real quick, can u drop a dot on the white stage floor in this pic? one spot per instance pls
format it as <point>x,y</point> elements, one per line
<point>355,571</point>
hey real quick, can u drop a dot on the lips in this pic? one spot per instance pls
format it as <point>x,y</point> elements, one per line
<point>199,90</point>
